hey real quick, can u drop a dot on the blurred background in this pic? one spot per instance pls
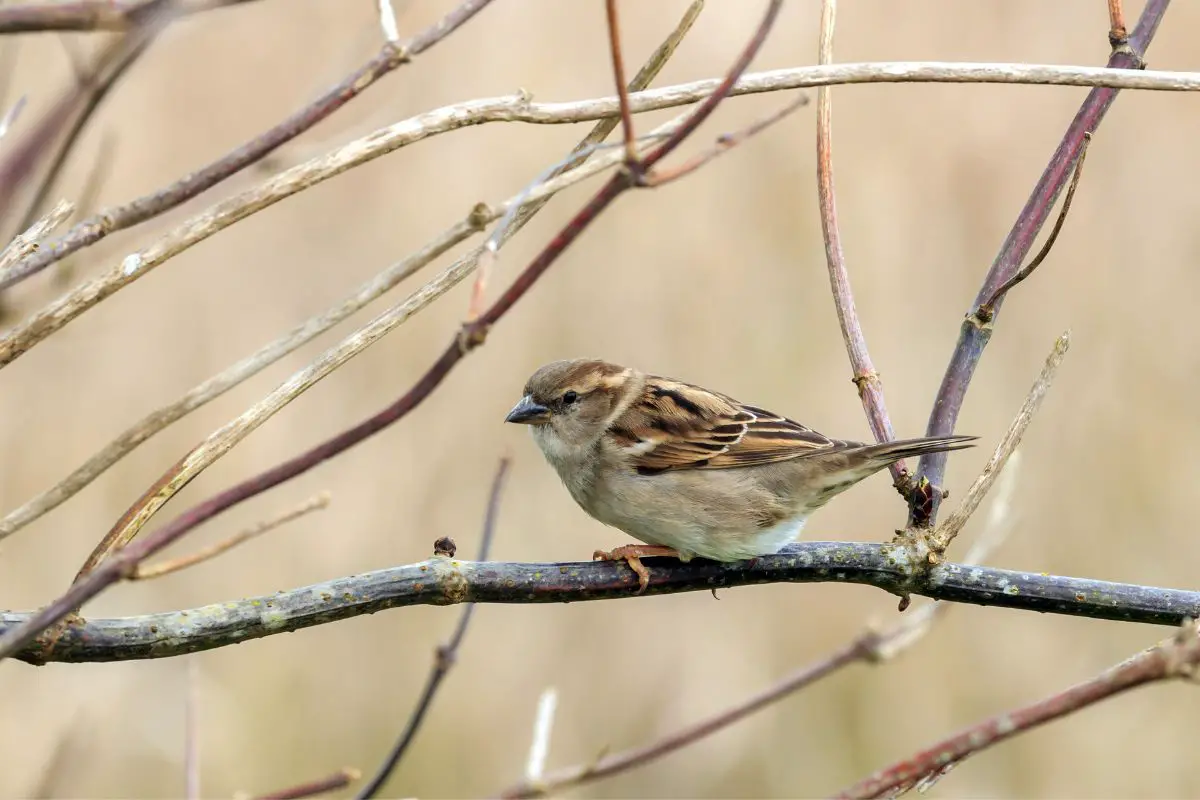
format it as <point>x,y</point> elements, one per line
<point>719,279</point>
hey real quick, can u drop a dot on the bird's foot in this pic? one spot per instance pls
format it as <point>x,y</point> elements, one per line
<point>632,554</point>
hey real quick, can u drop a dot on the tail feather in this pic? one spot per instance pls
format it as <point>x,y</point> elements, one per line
<point>888,452</point>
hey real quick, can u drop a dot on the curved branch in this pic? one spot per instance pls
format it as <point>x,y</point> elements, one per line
<point>445,581</point>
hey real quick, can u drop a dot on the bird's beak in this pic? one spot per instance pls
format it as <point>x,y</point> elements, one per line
<point>527,412</point>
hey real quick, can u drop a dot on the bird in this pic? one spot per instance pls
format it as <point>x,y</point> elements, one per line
<point>687,471</point>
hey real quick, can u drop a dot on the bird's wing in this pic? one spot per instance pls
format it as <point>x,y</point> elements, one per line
<point>675,425</point>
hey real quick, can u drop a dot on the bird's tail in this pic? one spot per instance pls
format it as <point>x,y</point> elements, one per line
<point>883,454</point>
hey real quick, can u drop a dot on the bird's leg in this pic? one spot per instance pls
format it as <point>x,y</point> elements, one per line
<point>633,554</point>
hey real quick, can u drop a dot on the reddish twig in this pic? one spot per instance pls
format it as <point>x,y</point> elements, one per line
<point>866,379</point>
<point>445,655</point>
<point>122,563</point>
<point>98,226</point>
<point>618,62</point>
<point>338,780</point>
<point>974,333</point>
<point>1174,658</point>
<point>985,308</point>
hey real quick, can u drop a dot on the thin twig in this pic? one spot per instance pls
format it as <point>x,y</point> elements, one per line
<point>387,21</point>
<point>445,655</point>
<point>973,336</point>
<point>1177,657</point>
<point>945,533</point>
<point>121,563</point>
<point>865,378</point>
<point>191,730</point>
<point>725,142</point>
<point>872,646</point>
<point>985,310</point>
<point>338,780</point>
<point>618,64</point>
<point>146,571</point>
<point>437,582</point>
<point>95,228</point>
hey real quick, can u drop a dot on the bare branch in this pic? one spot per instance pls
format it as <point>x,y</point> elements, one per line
<point>146,571</point>
<point>445,655</point>
<point>438,582</point>
<point>25,243</point>
<point>865,378</point>
<point>1177,657</point>
<point>95,228</point>
<point>973,336</point>
<point>985,310</point>
<point>618,62</point>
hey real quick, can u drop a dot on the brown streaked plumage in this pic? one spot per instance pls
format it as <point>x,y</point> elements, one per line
<point>688,471</point>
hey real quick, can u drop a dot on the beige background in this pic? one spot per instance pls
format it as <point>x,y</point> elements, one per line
<point>719,280</point>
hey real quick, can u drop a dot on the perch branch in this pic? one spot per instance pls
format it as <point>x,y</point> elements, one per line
<point>446,582</point>
<point>865,378</point>
<point>872,646</point>
<point>95,228</point>
<point>1177,657</point>
<point>519,109</point>
<point>444,656</point>
<point>974,334</point>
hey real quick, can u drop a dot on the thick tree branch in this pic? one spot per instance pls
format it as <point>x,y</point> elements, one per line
<point>442,581</point>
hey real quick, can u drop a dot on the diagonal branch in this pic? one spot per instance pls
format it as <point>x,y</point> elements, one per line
<point>1174,658</point>
<point>975,333</point>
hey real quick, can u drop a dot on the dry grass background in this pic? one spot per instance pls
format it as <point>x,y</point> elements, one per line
<point>719,279</point>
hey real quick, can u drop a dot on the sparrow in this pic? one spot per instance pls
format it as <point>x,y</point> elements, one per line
<point>688,471</point>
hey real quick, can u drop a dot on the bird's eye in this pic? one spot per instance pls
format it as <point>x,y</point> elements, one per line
<point>569,397</point>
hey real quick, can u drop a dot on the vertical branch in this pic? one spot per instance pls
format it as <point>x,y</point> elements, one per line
<point>870,389</point>
<point>975,333</point>
<point>618,62</point>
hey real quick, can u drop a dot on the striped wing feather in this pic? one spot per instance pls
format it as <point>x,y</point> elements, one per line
<point>675,425</point>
